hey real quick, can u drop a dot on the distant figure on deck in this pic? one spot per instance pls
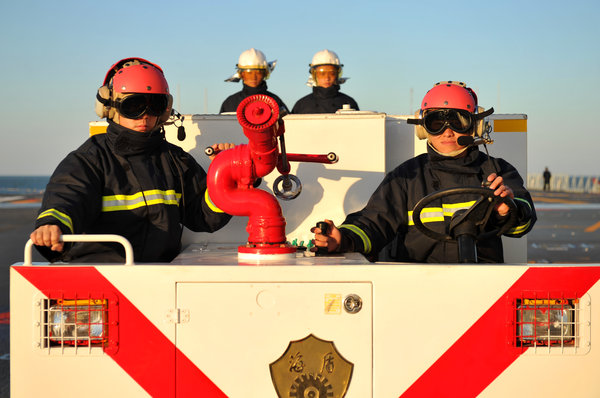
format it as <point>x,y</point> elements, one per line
<point>253,69</point>
<point>547,177</point>
<point>449,111</point>
<point>129,181</point>
<point>325,79</point>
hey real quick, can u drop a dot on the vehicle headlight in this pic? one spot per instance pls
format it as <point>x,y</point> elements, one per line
<point>545,322</point>
<point>78,322</point>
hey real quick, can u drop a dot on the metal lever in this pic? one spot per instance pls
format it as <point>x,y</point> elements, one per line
<point>324,227</point>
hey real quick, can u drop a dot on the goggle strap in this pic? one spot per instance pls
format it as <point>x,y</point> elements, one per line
<point>103,101</point>
<point>479,116</point>
<point>414,121</point>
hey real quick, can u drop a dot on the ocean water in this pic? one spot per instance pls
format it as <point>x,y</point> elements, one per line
<point>23,185</point>
<point>14,189</point>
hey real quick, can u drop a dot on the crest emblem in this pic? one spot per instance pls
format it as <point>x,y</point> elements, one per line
<point>313,368</point>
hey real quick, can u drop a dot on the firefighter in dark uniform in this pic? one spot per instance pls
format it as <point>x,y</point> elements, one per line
<point>253,69</point>
<point>129,181</point>
<point>325,79</point>
<point>448,111</point>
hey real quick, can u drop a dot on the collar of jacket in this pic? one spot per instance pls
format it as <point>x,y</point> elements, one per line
<point>260,89</point>
<point>466,164</point>
<point>126,142</point>
<point>329,92</point>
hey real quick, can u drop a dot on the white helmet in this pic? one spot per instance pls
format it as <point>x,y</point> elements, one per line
<point>252,59</point>
<point>325,57</point>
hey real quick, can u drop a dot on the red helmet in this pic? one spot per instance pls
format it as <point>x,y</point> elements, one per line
<point>455,95</point>
<point>126,62</point>
<point>131,76</point>
<point>140,78</point>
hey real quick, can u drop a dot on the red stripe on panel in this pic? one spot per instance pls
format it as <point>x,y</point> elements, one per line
<point>485,350</point>
<point>143,351</point>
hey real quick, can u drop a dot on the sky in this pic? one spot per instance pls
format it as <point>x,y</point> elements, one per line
<point>540,58</point>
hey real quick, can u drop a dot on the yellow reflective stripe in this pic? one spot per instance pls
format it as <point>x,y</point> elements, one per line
<point>62,217</point>
<point>518,229</point>
<point>361,234</point>
<point>210,204</point>
<point>451,208</point>
<point>140,199</point>
<point>428,214</point>
<point>523,227</point>
<point>437,214</point>
<point>524,201</point>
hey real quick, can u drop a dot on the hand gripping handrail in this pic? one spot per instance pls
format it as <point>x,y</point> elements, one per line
<point>88,238</point>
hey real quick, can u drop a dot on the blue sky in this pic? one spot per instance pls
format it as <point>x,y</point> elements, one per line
<point>541,58</point>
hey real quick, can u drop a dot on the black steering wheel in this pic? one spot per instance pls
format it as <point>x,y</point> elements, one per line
<point>473,220</point>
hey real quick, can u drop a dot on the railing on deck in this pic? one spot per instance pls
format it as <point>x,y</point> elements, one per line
<point>565,183</point>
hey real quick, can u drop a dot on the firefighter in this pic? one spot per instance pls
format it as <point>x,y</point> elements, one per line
<point>129,181</point>
<point>448,111</point>
<point>253,69</point>
<point>325,78</point>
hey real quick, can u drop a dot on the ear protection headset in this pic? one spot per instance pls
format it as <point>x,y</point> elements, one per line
<point>451,94</point>
<point>131,75</point>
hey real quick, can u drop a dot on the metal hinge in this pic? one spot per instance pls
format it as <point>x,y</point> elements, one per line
<point>178,315</point>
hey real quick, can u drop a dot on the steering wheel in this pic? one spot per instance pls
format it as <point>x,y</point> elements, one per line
<point>478,215</point>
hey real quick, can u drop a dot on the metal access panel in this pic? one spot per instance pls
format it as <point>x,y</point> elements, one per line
<point>235,332</point>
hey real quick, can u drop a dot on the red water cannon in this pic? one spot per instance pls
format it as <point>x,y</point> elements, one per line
<point>232,175</point>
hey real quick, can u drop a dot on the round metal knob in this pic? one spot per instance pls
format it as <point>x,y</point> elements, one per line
<point>352,303</point>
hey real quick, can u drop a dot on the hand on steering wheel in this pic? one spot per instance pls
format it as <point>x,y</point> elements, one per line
<point>479,214</point>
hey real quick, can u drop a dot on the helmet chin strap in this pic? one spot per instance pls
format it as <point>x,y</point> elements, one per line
<point>448,154</point>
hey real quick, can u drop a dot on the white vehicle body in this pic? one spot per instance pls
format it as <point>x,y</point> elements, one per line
<point>211,325</point>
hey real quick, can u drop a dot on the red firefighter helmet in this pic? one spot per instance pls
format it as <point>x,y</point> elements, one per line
<point>140,78</point>
<point>133,76</point>
<point>455,95</point>
<point>126,62</point>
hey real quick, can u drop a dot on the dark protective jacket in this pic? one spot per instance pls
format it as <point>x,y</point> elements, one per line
<point>132,184</point>
<point>231,103</point>
<point>324,100</point>
<point>387,217</point>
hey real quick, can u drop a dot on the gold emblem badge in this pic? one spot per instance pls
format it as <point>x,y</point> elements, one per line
<point>311,368</point>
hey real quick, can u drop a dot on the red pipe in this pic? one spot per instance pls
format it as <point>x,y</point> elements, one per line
<point>232,172</point>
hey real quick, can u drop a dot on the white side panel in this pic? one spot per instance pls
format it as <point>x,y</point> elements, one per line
<point>240,319</point>
<point>35,373</point>
<point>415,321</point>
<point>542,375</point>
<point>243,327</point>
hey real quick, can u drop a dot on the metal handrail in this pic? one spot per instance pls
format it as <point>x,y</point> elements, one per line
<point>87,238</point>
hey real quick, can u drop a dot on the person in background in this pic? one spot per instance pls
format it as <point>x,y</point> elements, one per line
<point>448,111</point>
<point>547,175</point>
<point>325,79</point>
<point>253,69</point>
<point>129,181</point>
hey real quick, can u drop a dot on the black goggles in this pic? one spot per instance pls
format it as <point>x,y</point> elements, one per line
<point>437,121</point>
<point>137,105</point>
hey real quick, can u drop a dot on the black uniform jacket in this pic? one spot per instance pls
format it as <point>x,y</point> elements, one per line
<point>231,103</point>
<point>388,214</point>
<point>324,100</point>
<point>133,184</point>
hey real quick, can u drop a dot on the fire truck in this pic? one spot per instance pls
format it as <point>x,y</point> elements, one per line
<point>230,317</point>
